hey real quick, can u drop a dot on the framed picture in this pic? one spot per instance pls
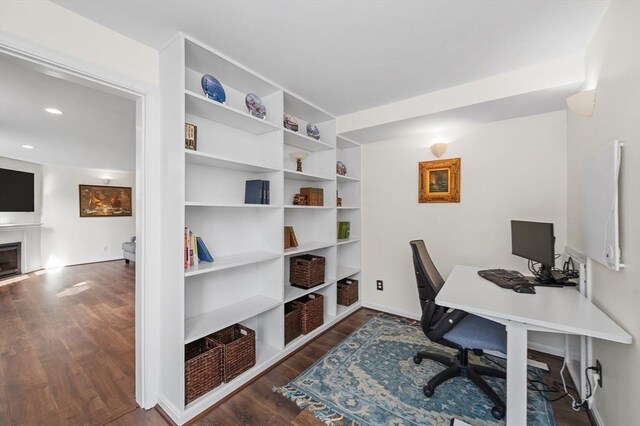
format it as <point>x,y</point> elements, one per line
<point>439,181</point>
<point>105,201</point>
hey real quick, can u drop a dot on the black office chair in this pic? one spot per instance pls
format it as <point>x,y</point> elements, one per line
<point>455,329</point>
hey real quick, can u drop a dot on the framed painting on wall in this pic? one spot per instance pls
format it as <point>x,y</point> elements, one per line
<point>105,201</point>
<point>439,181</point>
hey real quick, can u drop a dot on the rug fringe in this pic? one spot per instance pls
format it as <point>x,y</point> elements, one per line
<point>305,402</point>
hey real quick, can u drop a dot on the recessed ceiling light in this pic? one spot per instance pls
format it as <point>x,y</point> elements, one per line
<point>27,146</point>
<point>53,111</point>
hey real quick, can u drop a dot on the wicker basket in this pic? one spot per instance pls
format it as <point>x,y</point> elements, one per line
<point>306,271</point>
<point>238,349</point>
<point>347,291</point>
<point>203,368</point>
<point>291,321</point>
<point>311,312</point>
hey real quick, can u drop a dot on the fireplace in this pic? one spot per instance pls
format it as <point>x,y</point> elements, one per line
<point>10,260</point>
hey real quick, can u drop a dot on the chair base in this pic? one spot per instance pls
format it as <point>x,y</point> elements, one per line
<point>457,366</point>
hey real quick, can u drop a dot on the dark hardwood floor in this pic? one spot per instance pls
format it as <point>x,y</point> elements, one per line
<point>67,345</point>
<point>67,357</point>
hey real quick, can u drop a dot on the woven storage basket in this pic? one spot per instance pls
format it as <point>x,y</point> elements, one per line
<point>311,312</point>
<point>238,349</point>
<point>291,321</point>
<point>203,368</point>
<point>306,271</point>
<point>347,291</point>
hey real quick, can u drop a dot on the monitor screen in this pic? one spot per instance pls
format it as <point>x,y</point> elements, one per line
<point>534,241</point>
<point>16,191</point>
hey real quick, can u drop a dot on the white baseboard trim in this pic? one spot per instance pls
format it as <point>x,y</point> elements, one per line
<point>596,416</point>
<point>389,310</point>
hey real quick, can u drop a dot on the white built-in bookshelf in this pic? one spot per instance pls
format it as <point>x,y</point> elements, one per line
<point>248,282</point>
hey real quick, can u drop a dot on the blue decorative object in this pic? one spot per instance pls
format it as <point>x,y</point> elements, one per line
<point>370,379</point>
<point>312,131</point>
<point>255,106</point>
<point>213,89</point>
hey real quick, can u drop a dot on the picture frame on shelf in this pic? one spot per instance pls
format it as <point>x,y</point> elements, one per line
<point>191,136</point>
<point>439,181</point>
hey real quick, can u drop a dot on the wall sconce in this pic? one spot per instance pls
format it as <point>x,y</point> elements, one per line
<point>106,180</point>
<point>438,149</point>
<point>582,103</point>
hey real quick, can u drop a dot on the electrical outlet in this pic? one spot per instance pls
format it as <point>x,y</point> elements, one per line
<point>106,249</point>
<point>379,285</point>
<point>599,367</point>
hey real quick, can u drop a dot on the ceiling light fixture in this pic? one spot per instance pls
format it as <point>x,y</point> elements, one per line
<point>54,111</point>
<point>27,146</point>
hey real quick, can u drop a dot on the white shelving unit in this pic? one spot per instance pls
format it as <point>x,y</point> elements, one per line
<point>248,282</point>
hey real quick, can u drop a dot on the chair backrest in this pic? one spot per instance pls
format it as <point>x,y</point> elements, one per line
<point>428,278</point>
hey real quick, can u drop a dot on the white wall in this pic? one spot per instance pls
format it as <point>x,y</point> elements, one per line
<point>513,169</point>
<point>67,238</point>
<point>613,63</point>
<point>58,30</point>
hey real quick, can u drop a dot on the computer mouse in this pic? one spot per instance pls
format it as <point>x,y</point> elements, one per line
<point>523,288</point>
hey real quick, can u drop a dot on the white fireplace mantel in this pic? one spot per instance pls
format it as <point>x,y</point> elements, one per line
<point>28,234</point>
<point>18,225</point>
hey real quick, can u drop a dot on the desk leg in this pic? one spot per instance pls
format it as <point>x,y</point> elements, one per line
<point>516,376</point>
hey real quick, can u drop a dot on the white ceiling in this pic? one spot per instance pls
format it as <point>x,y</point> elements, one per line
<point>96,130</point>
<point>351,55</point>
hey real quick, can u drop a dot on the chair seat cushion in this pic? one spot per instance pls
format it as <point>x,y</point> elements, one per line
<point>478,333</point>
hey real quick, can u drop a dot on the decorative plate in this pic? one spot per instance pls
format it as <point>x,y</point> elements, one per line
<point>312,131</point>
<point>290,122</point>
<point>255,106</point>
<point>213,89</point>
<point>341,168</point>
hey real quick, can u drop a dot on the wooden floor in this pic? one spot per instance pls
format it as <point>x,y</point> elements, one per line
<point>67,357</point>
<point>67,345</point>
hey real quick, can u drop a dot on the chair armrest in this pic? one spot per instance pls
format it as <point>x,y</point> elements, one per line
<point>446,323</point>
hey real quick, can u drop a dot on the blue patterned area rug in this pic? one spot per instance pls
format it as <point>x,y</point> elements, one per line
<point>370,379</point>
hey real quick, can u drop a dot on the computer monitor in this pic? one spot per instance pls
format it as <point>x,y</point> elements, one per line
<point>535,241</point>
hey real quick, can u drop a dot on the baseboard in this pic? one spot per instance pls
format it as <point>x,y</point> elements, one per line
<point>595,416</point>
<point>389,310</point>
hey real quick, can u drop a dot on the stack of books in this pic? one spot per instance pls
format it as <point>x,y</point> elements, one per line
<point>195,250</point>
<point>256,192</point>
<point>344,230</point>
<point>290,239</point>
<point>315,196</point>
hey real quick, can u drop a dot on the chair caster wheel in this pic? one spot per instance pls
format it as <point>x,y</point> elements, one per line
<point>427,391</point>
<point>417,359</point>
<point>497,413</point>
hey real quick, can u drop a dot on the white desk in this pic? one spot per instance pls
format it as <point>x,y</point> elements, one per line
<point>551,309</point>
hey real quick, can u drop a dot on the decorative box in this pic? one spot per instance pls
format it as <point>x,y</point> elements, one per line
<point>347,291</point>
<point>306,271</point>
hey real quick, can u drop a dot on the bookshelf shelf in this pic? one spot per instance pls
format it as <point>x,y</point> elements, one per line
<point>208,109</point>
<point>233,261</point>
<point>347,241</point>
<point>204,192</point>
<point>210,160</point>
<point>202,325</point>
<point>305,247</point>
<point>291,292</point>
<point>304,142</point>
<point>341,178</point>
<point>290,174</point>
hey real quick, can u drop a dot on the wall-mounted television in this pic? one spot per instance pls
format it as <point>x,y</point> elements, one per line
<point>17,191</point>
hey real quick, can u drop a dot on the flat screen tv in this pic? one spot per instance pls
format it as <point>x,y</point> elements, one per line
<point>16,191</point>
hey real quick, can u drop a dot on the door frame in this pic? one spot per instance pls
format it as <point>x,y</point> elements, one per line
<point>147,203</point>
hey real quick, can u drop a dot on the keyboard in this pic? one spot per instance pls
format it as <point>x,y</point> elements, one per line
<point>504,278</point>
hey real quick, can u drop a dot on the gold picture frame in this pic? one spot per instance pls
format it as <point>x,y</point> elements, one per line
<point>439,181</point>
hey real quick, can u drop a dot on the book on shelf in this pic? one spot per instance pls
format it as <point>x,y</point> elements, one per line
<point>315,196</point>
<point>344,230</point>
<point>203,252</point>
<point>257,191</point>
<point>190,136</point>
<point>290,239</point>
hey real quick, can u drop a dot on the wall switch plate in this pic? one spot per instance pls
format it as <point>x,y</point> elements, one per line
<point>379,285</point>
